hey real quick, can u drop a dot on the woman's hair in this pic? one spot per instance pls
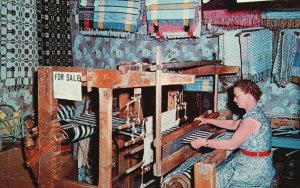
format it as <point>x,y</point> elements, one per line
<point>249,87</point>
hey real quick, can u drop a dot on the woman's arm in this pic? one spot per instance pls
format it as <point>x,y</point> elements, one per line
<point>243,133</point>
<point>226,124</point>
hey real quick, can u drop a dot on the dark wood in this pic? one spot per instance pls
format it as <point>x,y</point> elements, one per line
<point>183,65</point>
<point>72,184</point>
<point>212,70</point>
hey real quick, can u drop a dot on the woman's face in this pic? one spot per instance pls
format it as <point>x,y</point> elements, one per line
<point>239,97</point>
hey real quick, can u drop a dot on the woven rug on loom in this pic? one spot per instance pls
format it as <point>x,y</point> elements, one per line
<point>173,19</point>
<point>18,38</point>
<point>229,19</point>
<point>286,57</point>
<point>258,55</point>
<point>54,32</point>
<point>110,15</point>
<point>281,19</point>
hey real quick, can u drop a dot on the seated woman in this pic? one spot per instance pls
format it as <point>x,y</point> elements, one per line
<point>252,165</point>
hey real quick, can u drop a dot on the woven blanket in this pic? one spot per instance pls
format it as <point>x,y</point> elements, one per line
<point>173,19</point>
<point>228,19</point>
<point>232,50</point>
<point>296,65</point>
<point>19,47</point>
<point>110,15</point>
<point>260,54</point>
<point>286,57</point>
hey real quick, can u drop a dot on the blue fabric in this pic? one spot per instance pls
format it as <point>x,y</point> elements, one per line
<point>240,170</point>
<point>260,54</point>
<point>280,14</point>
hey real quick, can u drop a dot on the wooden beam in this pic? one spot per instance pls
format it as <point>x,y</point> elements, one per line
<point>64,183</point>
<point>101,78</point>
<point>158,106</point>
<point>205,170</point>
<point>212,70</point>
<point>105,138</point>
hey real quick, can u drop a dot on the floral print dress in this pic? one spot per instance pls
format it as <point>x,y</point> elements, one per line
<point>240,170</point>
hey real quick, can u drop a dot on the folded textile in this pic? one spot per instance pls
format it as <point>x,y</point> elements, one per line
<point>110,15</point>
<point>173,19</point>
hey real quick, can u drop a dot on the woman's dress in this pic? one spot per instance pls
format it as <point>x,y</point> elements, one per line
<point>240,170</point>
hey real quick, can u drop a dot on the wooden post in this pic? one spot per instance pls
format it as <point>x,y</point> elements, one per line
<point>205,175</point>
<point>46,107</point>
<point>158,92</point>
<point>105,138</point>
<point>216,93</point>
<point>205,170</point>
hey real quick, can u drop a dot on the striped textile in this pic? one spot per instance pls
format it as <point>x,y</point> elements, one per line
<point>65,112</point>
<point>110,15</point>
<point>201,84</point>
<point>173,19</point>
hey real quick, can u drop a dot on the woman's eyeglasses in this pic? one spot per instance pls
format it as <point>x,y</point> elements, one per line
<point>238,94</point>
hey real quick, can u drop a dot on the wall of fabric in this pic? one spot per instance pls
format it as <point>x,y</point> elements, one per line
<point>33,33</point>
<point>54,31</point>
<point>104,52</point>
<point>19,52</point>
<point>38,32</point>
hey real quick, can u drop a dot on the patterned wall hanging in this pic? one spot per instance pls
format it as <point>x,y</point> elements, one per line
<point>286,63</point>
<point>54,33</point>
<point>116,18</point>
<point>19,56</point>
<point>257,57</point>
<point>281,19</point>
<point>173,19</point>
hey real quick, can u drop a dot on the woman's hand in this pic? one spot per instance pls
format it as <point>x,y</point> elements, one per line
<point>196,144</point>
<point>202,119</point>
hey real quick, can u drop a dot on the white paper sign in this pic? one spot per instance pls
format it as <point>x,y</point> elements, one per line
<point>67,85</point>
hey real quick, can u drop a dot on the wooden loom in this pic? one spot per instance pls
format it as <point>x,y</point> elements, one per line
<point>47,159</point>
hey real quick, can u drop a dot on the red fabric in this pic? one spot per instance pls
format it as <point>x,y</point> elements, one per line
<point>256,154</point>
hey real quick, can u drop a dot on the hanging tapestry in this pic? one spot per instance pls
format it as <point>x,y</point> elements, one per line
<point>228,19</point>
<point>19,56</point>
<point>232,50</point>
<point>258,56</point>
<point>244,55</point>
<point>286,61</point>
<point>54,33</point>
<point>173,19</point>
<point>281,19</point>
<point>296,64</point>
<point>118,15</point>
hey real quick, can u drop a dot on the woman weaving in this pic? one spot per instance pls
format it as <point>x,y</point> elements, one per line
<point>252,165</point>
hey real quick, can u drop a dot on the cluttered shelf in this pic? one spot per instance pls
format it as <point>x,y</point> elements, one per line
<point>285,133</point>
